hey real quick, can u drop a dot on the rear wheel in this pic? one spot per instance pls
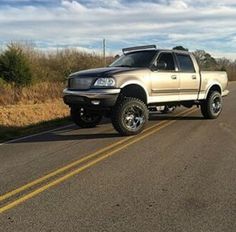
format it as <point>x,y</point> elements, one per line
<point>84,118</point>
<point>212,106</point>
<point>129,116</point>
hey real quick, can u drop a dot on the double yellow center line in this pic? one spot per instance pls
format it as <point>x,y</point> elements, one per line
<point>59,175</point>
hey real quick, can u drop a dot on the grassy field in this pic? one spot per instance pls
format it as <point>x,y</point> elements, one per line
<point>22,115</point>
<point>26,110</point>
<point>21,119</point>
<point>30,95</point>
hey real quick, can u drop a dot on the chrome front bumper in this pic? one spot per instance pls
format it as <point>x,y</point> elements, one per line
<point>101,98</point>
<point>93,93</point>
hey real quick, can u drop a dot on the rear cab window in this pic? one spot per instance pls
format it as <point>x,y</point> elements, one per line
<point>185,63</point>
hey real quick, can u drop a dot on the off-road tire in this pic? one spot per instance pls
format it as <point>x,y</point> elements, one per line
<point>84,119</point>
<point>207,107</point>
<point>120,114</point>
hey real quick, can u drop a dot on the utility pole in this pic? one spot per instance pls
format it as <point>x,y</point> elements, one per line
<point>104,51</point>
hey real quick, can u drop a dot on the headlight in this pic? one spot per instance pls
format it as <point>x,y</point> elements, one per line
<point>105,82</point>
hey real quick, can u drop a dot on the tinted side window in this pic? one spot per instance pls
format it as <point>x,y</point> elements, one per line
<point>168,59</point>
<point>185,62</point>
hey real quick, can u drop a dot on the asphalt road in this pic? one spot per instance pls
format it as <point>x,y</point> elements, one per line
<point>179,175</point>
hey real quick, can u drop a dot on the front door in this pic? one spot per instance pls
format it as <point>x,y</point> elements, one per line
<point>165,82</point>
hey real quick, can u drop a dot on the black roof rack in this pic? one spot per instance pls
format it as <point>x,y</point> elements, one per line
<point>125,50</point>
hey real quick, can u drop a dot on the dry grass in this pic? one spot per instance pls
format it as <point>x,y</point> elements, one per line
<point>24,111</point>
<point>38,93</point>
<point>22,115</point>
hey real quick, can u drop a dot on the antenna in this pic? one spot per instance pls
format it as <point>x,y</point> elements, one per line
<point>104,51</point>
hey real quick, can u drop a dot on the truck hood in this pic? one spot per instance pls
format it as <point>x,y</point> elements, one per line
<point>102,72</point>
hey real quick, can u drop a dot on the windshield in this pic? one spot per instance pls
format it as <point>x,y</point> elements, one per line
<point>140,59</point>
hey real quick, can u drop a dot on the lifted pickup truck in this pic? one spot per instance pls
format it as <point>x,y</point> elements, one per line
<point>143,78</point>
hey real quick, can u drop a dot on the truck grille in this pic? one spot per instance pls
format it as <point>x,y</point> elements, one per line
<point>80,83</point>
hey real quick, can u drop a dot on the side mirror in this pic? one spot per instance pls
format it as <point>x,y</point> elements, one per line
<point>161,65</point>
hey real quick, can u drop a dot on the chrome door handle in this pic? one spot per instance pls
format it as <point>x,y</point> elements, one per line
<point>173,77</point>
<point>194,77</point>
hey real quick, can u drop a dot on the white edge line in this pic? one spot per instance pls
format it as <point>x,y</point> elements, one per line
<point>33,135</point>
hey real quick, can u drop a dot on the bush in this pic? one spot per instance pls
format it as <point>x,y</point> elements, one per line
<point>14,66</point>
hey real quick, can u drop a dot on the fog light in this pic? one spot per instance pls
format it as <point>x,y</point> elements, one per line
<point>95,102</point>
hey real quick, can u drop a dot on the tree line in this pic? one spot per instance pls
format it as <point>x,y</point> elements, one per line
<point>22,65</point>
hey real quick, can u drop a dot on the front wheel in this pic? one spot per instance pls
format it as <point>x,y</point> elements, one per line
<point>129,116</point>
<point>212,106</point>
<point>84,118</point>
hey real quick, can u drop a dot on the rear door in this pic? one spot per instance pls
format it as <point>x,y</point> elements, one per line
<point>189,78</point>
<point>165,82</point>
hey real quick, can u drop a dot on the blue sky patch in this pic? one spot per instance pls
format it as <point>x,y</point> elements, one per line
<point>50,24</point>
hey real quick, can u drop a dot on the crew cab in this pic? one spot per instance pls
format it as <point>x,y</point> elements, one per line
<point>143,78</point>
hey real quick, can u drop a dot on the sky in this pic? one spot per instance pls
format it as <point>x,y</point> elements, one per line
<point>51,24</point>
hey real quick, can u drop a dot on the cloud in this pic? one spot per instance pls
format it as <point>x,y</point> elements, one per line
<point>73,6</point>
<point>196,24</point>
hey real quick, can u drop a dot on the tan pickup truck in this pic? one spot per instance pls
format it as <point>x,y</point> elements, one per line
<point>143,78</point>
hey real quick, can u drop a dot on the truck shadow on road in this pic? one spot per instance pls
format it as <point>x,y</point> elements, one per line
<point>74,134</point>
<point>161,117</point>
<point>77,134</point>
